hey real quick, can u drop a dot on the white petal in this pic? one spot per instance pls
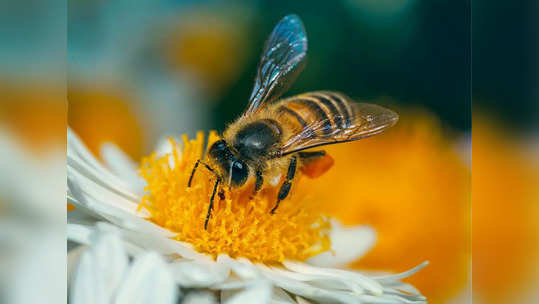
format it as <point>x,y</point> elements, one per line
<point>82,217</point>
<point>81,158</point>
<point>405,294</point>
<point>83,233</point>
<point>112,260</point>
<point>164,147</point>
<point>160,241</point>
<point>247,274</point>
<point>198,273</point>
<point>402,275</point>
<point>73,258</point>
<point>92,184</point>
<point>138,241</point>
<point>94,189</point>
<point>301,300</point>
<point>130,248</point>
<point>122,166</point>
<point>308,283</point>
<point>279,296</point>
<point>135,242</point>
<point>337,274</point>
<point>100,271</point>
<point>199,298</point>
<point>126,217</point>
<point>348,244</point>
<point>306,290</point>
<point>240,266</point>
<point>79,233</point>
<point>322,281</point>
<point>147,281</point>
<point>259,293</point>
<point>88,194</point>
<point>84,288</point>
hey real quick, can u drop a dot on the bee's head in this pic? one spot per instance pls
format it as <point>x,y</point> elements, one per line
<point>233,170</point>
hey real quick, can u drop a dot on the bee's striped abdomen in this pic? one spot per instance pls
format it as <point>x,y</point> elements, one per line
<point>329,104</point>
<point>301,124</point>
<point>326,113</point>
<point>345,109</point>
<point>315,108</point>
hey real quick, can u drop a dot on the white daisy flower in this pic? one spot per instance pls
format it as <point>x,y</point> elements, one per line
<point>246,255</point>
<point>104,274</point>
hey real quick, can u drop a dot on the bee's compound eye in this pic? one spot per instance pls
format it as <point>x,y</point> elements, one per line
<point>218,149</point>
<point>240,172</point>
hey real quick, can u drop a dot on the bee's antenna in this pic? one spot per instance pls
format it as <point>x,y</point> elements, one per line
<point>193,173</point>
<point>195,168</point>
<point>210,208</point>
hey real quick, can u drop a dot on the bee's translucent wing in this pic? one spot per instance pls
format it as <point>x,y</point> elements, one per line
<point>281,61</point>
<point>324,118</point>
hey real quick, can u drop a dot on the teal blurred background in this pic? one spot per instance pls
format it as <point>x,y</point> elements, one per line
<point>192,63</point>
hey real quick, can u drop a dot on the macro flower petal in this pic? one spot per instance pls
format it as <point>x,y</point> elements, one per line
<point>100,271</point>
<point>258,293</point>
<point>301,300</point>
<point>363,281</point>
<point>199,298</point>
<point>306,290</point>
<point>348,244</point>
<point>122,166</point>
<point>164,146</point>
<point>279,296</point>
<point>148,281</point>
<point>78,156</point>
<point>198,273</point>
<point>101,202</point>
<point>240,266</point>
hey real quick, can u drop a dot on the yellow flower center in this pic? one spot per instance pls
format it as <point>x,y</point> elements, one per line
<point>240,225</point>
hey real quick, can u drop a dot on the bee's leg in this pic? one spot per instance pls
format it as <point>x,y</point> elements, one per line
<point>210,208</point>
<point>285,187</point>
<point>258,182</point>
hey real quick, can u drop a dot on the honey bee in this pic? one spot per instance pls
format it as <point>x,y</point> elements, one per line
<point>268,140</point>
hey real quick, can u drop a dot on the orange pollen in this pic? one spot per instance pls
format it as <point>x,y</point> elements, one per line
<point>240,225</point>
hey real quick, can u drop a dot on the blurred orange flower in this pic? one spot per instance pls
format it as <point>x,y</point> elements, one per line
<point>37,115</point>
<point>505,214</point>
<point>103,115</point>
<point>413,188</point>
